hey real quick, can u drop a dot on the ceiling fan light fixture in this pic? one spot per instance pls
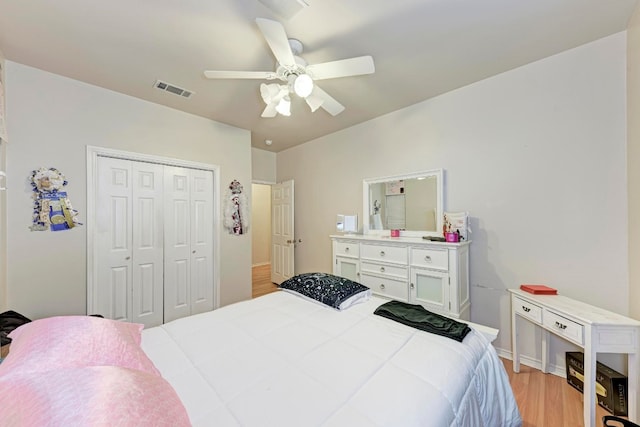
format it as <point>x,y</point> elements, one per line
<point>303,85</point>
<point>269,92</point>
<point>314,102</point>
<point>284,106</point>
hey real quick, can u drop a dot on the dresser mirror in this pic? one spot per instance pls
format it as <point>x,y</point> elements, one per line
<point>411,203</point>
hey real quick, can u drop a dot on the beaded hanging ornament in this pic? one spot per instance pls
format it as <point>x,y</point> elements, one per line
<point>52,208</point>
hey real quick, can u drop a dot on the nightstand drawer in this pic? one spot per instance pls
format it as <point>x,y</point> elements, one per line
<point>430,258</point>
<point>396,254</point>
<point>347,249</point>
<point>384,269</point>
<point>396,289</point>
<point>527,309</point>
<point>564,327</point>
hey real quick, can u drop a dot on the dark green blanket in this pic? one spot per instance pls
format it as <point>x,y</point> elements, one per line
<point>418,317</point>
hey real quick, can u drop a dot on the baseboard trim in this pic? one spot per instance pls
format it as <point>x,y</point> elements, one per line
<point>559,371</point>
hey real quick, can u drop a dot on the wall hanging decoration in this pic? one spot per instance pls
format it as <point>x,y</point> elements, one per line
<point>52,208</point>
<point>236,214</point>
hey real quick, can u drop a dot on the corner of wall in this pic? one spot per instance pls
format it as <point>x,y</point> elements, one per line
<point>633,159</point>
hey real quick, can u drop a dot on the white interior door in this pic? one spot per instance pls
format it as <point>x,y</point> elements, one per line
<point>188,249</point>
<point>151,237</point>
<point>130,250</point>
<point>177,243</point>
<point>148,247</point>
<point>282,232</point>
<point>114,239</point>
<point>202,298</point>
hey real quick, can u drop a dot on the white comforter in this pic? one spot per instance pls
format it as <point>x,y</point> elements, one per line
<point>280,360</point>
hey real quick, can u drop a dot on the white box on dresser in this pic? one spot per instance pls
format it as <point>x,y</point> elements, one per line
<point>432,274</point>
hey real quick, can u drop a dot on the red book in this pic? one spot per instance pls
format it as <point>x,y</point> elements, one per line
<point>539,289</point>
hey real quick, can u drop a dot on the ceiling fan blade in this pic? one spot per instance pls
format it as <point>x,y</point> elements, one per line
<point>270,111</point>
<point>266,75</point>
<point>332,106</point>
<point>277,40</point>
<point>342,68</point>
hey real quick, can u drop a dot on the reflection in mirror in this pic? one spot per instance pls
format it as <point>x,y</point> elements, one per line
<point>410,203</point>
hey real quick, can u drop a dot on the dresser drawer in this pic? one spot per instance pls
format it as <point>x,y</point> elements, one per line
<point>347,249</point>
<point>527,309</point>
<point>430,258</point>
<point>564,327</point>
<point>384,253</point>
<point>396,289</point>
<point>384,269</point>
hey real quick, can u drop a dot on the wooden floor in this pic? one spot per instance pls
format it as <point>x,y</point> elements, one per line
<point>261,278</point>
<point>544,400</point>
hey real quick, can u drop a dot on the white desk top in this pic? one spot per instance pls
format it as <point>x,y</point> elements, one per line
<point>572,308</point>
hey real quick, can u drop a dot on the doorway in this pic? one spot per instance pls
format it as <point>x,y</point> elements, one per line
<point>272,217</point>
<point>261,240</point>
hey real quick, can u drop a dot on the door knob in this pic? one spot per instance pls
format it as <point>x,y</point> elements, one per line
<point>128,258</point>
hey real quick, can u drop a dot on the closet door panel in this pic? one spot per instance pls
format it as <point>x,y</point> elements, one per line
<point>114,241</point>
<point>201,241</point>
<point>177,241</point>
<point>118,289</point>
<point>148,246</point>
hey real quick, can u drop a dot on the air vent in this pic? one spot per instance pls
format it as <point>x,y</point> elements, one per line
<point>167,87</point>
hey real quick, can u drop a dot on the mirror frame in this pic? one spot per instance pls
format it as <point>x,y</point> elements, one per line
<point>438,173</point>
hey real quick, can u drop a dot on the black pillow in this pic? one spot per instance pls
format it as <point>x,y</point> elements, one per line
<point>334,291</point>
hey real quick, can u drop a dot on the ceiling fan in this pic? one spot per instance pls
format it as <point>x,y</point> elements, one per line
<point>298,77</point>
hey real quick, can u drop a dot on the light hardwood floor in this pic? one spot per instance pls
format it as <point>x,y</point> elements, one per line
<point>544,400</point>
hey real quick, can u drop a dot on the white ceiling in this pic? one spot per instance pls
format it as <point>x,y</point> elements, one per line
<point>421,48</point>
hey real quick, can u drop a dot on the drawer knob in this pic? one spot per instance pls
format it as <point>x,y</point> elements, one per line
<point>381,269</point>
<point>382,286</point>
<point>526,309</point>
<point>381,253</point>
<point>427,258</point>
<point>561,326</point>
<point>413,286</point>
<point>346,249</point>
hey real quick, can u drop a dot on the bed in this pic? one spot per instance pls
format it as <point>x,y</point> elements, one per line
<point>277,360</point>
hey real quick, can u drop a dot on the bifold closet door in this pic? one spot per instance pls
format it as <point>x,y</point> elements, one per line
<point>130,240</point>
<point>188,247</point>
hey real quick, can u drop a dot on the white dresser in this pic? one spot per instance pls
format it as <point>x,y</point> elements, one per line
<point>432,274</point>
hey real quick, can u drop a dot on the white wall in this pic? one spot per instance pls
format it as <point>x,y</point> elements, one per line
<point>51,119</point>
<point>260,224</point>
<point>536,155</point>
<point>633,159</point>
<point>263,166</point>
